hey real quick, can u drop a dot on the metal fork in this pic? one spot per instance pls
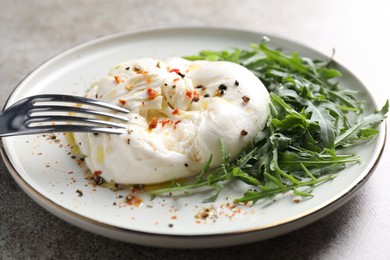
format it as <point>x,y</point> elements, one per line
<point>33,115</point>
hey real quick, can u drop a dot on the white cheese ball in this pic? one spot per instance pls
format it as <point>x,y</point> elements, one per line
<point>180,111</point>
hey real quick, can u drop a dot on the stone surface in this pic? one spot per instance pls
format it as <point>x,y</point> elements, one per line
<point>33,31</point>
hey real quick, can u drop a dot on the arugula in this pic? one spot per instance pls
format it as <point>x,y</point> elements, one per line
<point>310,123</point>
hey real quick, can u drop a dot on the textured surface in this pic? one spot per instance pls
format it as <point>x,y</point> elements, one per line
<point>33,31</point>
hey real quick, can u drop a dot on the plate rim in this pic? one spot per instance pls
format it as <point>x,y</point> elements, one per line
<point>290,224</point>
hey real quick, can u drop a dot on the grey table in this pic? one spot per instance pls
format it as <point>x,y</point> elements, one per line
<point>33,31</point>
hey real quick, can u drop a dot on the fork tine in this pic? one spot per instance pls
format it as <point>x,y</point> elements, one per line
<point>56,108</point>
<point>46,119</point>
<point>73,128</point>
<point>77,99</point>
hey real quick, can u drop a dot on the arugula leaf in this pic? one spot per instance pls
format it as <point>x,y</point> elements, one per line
<point>310,122</point>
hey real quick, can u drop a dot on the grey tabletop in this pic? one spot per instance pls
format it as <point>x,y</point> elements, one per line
<point>33,31</point>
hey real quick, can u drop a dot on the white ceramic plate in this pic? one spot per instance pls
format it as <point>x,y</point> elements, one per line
<point>47,173</point>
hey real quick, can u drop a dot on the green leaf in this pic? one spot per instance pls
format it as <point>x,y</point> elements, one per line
<point>238,173</point>
<point>302,193</point>
<point>329,73</point>
<point>369,121</point>
<point>325,121</point>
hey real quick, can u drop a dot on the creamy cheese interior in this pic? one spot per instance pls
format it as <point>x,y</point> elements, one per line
<point>179,112</point>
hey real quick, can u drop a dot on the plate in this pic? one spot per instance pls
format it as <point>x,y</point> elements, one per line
<point>44,168</point>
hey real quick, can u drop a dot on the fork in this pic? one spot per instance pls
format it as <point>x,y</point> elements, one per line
<point>33,115</point>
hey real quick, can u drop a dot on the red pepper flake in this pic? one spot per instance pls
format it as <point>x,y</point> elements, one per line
<point>96,173</point>
<point>175,112</point>
<point>177,71</point>
<point>166,121</point>
<point>143,103</point>
<point>122,102</point>
<point>118,79</point>
<point>133,200</point>
<point>151,93</point>
<point>70,172</point>
<point>153,123</point>
<point>174,217</point>
<point>196,96</point>
<point>176,79</point>
<point>189,93</point>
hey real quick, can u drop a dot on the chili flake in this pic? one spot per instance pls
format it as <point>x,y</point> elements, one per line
<point>96,173</point>
<point>122,102</point>
<point>177,71</point>
<point>196,96</point>
<point>151,93</point>
<point>133,200</point>
<point>189,93</point>
<point>153,123</point>
<point>166,121</point>
<point>118,79</point>
<point>174,70</point>
<point>175,112</point>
